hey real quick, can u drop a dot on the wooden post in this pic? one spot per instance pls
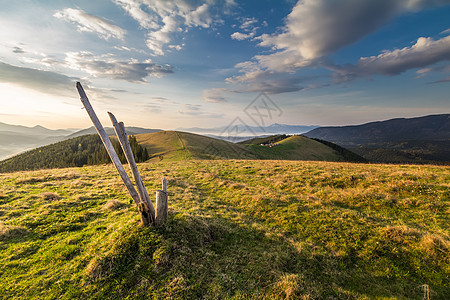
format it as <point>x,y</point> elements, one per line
<point>123,139</point>
<point>112,153</point>
<point>161,204</point>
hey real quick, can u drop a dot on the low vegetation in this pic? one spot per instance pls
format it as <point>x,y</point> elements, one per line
<point>237,229</point>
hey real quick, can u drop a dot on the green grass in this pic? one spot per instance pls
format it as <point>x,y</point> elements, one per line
<point>297,148</point>
<point>176,146</point>
<point>237,229</point>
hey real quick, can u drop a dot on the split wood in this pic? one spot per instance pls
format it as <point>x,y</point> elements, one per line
<point>147,212</point>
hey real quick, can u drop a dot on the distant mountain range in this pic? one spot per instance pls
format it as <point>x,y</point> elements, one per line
<point>413,140</point>
<point>242,130</point>
<point>15,139</point>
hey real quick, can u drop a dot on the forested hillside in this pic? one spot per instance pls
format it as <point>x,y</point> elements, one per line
<point>76,152</point>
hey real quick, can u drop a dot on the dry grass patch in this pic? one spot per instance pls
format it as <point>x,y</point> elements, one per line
<point>113,205</point>
<point>10,231</point>
<point>434,244</point>
<point>49,196</point>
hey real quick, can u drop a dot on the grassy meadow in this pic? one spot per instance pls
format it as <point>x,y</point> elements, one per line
<point>237,229</point>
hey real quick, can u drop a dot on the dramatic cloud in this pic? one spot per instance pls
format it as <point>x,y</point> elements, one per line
<point>132,71</point>
<point>164,18</point>
<point>214,95</point>
<point>42,81</point>
<point>424,52</point>
<point>89,23</point>
<point>317,28</point>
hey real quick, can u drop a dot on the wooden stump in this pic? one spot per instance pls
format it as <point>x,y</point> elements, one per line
<point>161,204</point>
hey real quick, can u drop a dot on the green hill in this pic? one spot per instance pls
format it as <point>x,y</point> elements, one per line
<point>177,145</point>
<point>174,146</point>
<point>237,229</point>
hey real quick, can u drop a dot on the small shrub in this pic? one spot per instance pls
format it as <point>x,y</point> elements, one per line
<point>49,196</point>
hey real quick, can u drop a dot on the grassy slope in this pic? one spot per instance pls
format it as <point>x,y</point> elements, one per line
<point>176,145</point>
<point>297,148</point>
<point>237,229</point>
<point>173,145</point>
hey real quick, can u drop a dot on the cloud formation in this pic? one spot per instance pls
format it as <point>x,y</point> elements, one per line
<point>242,36</point>
<point>424,52</point>
<point>132,70</point>
<point>164,18</point>
<point>42,81</point>
<point>317,28</point>
<point>89,23</point>
<point>214,95</point>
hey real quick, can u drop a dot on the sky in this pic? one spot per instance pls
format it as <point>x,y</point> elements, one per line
<point>178,64</point>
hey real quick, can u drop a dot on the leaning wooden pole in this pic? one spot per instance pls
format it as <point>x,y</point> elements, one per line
<point>112,153</point>
<point>142,191</point>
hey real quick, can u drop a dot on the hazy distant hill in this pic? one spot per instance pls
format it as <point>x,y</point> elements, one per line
<point>15,139</point>
<point>36,130</point>
<point>414,140</point>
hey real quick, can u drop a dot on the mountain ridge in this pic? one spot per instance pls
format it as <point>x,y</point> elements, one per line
<point>423,139</point>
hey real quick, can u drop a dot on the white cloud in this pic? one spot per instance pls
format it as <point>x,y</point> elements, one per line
<point>132,70</point>
<point>214,95</point>
<point>164,18</point>
<point>242,36</point>
<point>89,23</point>
<point>248,24</point>
<point>424,52</point>
<point>249,28</point>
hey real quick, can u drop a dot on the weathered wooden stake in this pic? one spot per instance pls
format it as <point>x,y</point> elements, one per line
<point>161,204</point>
<point>146,220</point>
<point>142,191</point>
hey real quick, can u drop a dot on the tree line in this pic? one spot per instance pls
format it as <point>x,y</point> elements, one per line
<point>76,152</point>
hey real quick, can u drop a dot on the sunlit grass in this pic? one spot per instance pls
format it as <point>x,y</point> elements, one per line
<point>237,229</point>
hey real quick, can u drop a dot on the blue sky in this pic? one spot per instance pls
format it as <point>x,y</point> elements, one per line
<point>171,64</point>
